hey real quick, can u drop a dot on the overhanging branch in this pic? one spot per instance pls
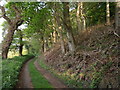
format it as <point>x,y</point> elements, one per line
<point>4,15</point>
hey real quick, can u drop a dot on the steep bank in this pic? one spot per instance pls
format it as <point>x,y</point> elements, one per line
<point>94,64</point>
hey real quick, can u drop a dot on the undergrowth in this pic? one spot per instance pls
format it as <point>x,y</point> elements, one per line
<point>10,70</point>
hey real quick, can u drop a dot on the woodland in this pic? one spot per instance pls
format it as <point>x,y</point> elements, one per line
<point>60,45</point>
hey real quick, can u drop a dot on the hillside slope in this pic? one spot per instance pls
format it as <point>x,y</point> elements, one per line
<point>94,64</point>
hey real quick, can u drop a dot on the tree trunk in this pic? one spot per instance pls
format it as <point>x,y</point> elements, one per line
<point>83,26</point>
<point>7,42</point>
<point>20,50</point>
<point>54,37</point>
<point>67,25</point>
<point>13,25</point>
<point>21,44</point>
<point>78,17</point>
<point>62,43</point>
<point>58,25</point>
<point>59,29</point>
<point>117,21</point>
<point>107,13</point>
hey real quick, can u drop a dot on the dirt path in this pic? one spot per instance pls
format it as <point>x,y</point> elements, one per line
<point>24,78</point>
<point>53,80</point>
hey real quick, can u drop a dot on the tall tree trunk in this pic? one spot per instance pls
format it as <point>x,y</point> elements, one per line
<point>59,29</point>
<point>82,17</point>
<point>20,50</point>
<point>107,13</point>
<point>7,42</point>
<point>58,25</point>
<point>13,25</point>
<point>62,41</point>
<point>117,21</point>
<point>21,43</point>
<point>67,25</point>
<point>78,17</point>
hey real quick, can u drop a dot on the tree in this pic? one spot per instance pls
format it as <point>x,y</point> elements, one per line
<point>13,25</point>
<point>82,17</point>
<point>58,25</point>
<point>20,42</point>
<point>17,42</point>
<point>78,16</point>
<point>68,27</point>
<point>107,13</point>
<point>117,19</point>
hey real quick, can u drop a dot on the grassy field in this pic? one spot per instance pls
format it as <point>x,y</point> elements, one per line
<point>38,80</point>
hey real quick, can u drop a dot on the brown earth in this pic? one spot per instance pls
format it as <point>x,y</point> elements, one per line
<point>53,80</point>
<point>24,78</point>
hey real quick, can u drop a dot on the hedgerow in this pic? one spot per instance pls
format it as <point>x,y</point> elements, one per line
<point>10,70</point>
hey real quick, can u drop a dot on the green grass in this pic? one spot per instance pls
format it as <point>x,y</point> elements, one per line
<point>38,80</point>
<point>66,79</point>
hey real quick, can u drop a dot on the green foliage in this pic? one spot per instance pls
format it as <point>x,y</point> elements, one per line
<point>38,80</point>
<point>95,12</point>
<point>10,70</point>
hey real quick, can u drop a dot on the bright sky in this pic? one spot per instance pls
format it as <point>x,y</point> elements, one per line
<point>2,2</point>
<point>1,21</point>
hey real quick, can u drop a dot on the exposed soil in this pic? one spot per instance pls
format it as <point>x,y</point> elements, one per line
<point>24,78</point>
<point>53,80</point>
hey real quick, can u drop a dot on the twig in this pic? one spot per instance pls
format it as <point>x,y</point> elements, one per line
<point>116,34</point>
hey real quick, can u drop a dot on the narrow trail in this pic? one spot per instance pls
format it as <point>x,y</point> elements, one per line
<point>53,80</point>
<point>24,78</point>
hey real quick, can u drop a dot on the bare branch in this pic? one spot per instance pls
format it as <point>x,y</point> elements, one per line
<point>4,14</point>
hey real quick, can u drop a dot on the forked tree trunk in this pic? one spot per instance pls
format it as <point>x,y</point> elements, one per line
<point>67,25</point>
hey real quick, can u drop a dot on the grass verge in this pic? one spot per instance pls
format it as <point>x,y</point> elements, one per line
<point>38,80</point>
<point>66,79</point>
